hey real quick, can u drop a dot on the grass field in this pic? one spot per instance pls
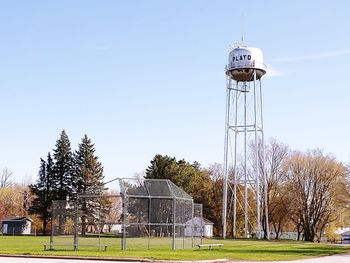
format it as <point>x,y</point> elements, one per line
<point>160,249</point>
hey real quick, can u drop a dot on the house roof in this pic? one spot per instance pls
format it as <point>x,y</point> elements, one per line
<point>207,221</point>
<point>347,233</point>
<point>16,218</point>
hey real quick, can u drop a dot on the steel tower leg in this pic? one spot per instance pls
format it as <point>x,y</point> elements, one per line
<point>256,157</point>
<point>245,164</point>
<point>263,163</point>
<point>235,164</point>
<point>227,129</point>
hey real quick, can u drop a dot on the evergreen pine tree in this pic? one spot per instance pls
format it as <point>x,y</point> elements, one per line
<point>88,171</point>
<point>43,192</point>
<point>88,174</point>
<point>63,168</point>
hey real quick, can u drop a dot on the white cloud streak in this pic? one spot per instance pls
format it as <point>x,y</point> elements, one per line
<point>272,72</point>
<point>328,54</point>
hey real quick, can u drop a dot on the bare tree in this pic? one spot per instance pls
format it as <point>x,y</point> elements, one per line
<point>271,165</point>
<point>216,172</point>
<point>5,180</point>
<point>13,202</point>
<point>314,183</point>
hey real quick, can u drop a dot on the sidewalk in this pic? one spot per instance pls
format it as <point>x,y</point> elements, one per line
<point>329,259</point>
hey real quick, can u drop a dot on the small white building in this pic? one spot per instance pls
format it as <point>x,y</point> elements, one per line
<point>341,230</point>
<point>16,226</point>
<point>290,235</point>
<point>201,227</point>
<point>113,228</point>
<point>345,237</point>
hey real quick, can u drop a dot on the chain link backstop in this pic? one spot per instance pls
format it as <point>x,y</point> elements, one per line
<point>147,213</point>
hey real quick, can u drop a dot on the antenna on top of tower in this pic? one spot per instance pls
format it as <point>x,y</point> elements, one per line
<point>242,28</point>
<point>241,42</point>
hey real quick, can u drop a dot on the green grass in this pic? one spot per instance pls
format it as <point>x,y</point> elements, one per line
<point>160,249</point>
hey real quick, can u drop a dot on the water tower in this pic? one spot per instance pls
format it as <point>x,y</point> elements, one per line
<point>244,179</point>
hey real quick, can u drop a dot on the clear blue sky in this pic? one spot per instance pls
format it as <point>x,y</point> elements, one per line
<point>147,77</point>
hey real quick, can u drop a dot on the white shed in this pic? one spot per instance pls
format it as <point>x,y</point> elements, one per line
<point>16,226</point>
<point>201,227</point>
<point>345,237</point>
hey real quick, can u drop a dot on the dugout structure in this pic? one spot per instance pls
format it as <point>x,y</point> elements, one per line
<point>156,212</point>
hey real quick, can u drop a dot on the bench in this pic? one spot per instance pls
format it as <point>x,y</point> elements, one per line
<point>210,245</point>
<point>99,246</point>
<point>48,246</point>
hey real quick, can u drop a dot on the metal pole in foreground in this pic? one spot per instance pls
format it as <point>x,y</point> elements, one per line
<point>75,246</point>
<point>52,226</point>
<point>174,224</point>
<point>123,245</point>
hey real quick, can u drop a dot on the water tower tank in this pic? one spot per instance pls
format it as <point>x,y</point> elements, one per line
<point>242,61</point>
